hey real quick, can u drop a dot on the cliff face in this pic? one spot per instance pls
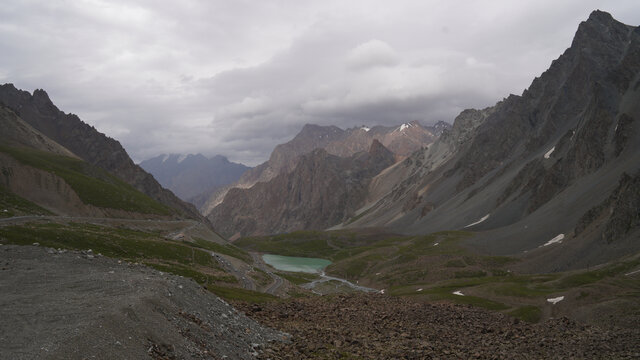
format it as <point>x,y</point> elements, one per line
<point>531,165</point>
<point>88,144</point>
<point>322,190</point>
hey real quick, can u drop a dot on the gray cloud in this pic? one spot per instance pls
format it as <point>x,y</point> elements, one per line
<point>238,77</point>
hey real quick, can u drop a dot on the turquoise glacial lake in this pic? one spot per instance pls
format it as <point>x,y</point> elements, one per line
<point>296,264</point>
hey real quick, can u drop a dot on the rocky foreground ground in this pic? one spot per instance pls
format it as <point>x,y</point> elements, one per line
<point>79,305</point>
<point>382,327</point>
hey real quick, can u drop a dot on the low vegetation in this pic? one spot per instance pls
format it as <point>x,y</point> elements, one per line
<point>14,205</point>
<point>437,267</point>
<point>180,258</point>
<point>93,185</point>
<point>299,278</point>
<point>226,249</point>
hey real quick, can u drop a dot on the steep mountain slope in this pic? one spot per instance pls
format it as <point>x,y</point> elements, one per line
<point>16,132</point>
<point>87,143</point>
<point>401,140</point>
<point>191,175</point>
<point>525,171</point>
<point>322,190</point>
<point>39,176</point>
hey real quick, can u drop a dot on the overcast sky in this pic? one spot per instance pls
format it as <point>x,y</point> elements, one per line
<point>238,77</point>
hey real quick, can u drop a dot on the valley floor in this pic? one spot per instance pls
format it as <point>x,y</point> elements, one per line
<point>64,304</point>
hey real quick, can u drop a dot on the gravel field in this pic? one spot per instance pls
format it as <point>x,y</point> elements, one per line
<point>79,305</point>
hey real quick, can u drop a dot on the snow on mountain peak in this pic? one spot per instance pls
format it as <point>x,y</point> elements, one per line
<point>181,158</point>
<point>365,128</point>
<point>165,158</point>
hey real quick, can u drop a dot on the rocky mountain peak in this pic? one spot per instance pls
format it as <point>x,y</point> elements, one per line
<point>313,130</point>
<point>600,17</point>
<point>377,150</point>
<point>599,35</point>
<point>41,94</point>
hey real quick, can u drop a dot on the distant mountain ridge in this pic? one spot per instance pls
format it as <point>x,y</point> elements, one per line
<point>191,175</point>
<point>322,189</point>
<point>402,140</point>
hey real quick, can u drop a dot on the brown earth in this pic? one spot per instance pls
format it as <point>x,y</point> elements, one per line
<point>383,327</point>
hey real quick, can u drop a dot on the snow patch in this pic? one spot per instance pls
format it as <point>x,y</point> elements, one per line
<point>627,274</point>
<point>555,240</point>
<point>365,128</point>
<point>382,291</point>
<point>419,289</point>
<point>436,244</point>
<point>181,158</point>
<point>165,158</point>
<point>479,221</point>
<point>548,153</point>
<point>403,126</point>
<point>459,293</point>
<point>555,300</point>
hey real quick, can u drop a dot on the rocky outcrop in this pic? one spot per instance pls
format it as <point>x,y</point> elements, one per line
<point>618,215</point>
<point>88,144</point>
<point>16,132</point>
<point>322,190</point>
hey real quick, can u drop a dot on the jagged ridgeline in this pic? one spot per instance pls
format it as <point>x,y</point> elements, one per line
<point>316,180</point>
<point>77,164</point>
<point>527,170</point>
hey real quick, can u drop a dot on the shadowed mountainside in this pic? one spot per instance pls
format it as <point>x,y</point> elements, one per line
<point>524,171</point>
<point>322,190</point>
<point>87,143</point>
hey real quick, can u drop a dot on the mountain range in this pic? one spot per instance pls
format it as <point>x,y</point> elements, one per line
<point>402,140</point>
<point>192,177</point>
<point>557,162</point>
<point>521,212</point>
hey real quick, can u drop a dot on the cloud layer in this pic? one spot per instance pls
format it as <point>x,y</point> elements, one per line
<point>238,77</point>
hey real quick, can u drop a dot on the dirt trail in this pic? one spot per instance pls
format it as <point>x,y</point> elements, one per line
<point>227,263</point>
<point>277,280</point>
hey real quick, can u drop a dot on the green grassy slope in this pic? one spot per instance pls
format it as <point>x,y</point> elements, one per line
<point>14,205</point>
<point>435,266</point>
<point>147,247</point>
<point>94,186</point>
